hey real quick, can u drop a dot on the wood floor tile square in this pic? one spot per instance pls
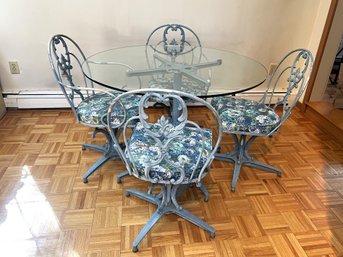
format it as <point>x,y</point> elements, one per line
<point>286,245</point>
<point>30,159</point>
<point>45,159</point>
<point>274,186</point>
<point>260,246</point>
<point>78,219</point>
<point>297,184</point>
<point>135,215</point>
<point>109,198</point>
<point>61,184</point>
<point>225,230</point>
<point>105,238</point>
<point>273,223</point>
<point>11,148</point>
<point>128,235</point>
<point>106,217</point>
<point>72,242</point>
<point>309,200</point>
<point>286,202</point>
<point>324,219</point>
<point>335,238</point>
<point>238,207</point>
<point>198,249</point>
<point>84,199</point>
<point>248,226</point>
<point>298,221</point>
<point>166,233</point>
<point>262,204</point>
<point>314,244</point>
<point>330,199</point>
<point>168,250</point>
<point>338,211</point>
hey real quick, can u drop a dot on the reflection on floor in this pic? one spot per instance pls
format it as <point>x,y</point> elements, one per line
<point>46,210</point>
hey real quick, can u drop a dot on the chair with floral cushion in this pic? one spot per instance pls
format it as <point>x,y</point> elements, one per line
<point>171,154</point>
<point>246,119</point>
<point>167,47</point>
<point>88,103</point>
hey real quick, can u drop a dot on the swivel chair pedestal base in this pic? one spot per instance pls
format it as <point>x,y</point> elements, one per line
<point>166,203</point>
<point>109,153</point>
<point>240,157</point>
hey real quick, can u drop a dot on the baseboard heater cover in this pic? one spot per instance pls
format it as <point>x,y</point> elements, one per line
<point>52,99</point>
<point>37,100</point>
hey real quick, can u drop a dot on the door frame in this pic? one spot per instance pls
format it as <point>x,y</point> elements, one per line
<point>320,52</point>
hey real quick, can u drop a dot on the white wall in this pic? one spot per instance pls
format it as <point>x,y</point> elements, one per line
<point>262,29</point>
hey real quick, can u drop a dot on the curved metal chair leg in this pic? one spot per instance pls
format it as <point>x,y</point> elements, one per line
<point>204,190</point>
<point>121,175</point>
<point>196,221</point>
<point>94,167</point>
<point>94,147</point>
<point>152,221</point>
<point>236,172</point>
<point>143,195</point>
<point>109,153</point>
<point>240,156</point>
<point>264,166</point>
<point>168,204</point>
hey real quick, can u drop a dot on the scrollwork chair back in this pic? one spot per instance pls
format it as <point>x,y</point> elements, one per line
<point>246,119</point>
<point>88,103</point>
<point>66,58</point>
<point>174,40</point>
<point>165,152</point>
<point>170,47</point>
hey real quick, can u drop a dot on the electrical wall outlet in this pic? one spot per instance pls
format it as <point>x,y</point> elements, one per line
<point>272,67</point>
<point>14,67</point>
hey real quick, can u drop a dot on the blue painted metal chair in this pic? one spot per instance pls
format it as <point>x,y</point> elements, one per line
<point>167,47</point>
<point>246,119</point>
<point>88,103</point>
<point>171,154</point>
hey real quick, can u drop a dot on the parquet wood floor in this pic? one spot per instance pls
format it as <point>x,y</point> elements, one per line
<point>46,210</point>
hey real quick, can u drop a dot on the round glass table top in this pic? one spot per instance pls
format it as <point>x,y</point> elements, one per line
<point>204,72</point>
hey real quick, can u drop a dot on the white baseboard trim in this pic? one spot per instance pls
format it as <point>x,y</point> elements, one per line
<point>55,99</point>
<point>36,99</point>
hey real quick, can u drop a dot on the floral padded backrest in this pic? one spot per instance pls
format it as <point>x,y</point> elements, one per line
<point>155,151</point>
<point>292,75</point>
<point>66,58</point>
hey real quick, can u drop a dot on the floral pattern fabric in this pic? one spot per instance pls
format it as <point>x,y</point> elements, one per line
<point>185,149</point>
<point>93,110</point>
<point>245,116</point>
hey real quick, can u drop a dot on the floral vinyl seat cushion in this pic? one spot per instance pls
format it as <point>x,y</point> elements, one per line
<point>185,149</point>
<point>245,116</point>
<point>93,110</point>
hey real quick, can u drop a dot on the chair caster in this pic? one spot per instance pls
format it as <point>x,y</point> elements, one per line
<point>118,180</point>
<point>213,235</point>
<point>83,148</point>
<point>278,173</point>
<point>85,180</point>
<point>134,249</point>
<point>206,199</point>
<point>233,189</point>
<point>127,194</point>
